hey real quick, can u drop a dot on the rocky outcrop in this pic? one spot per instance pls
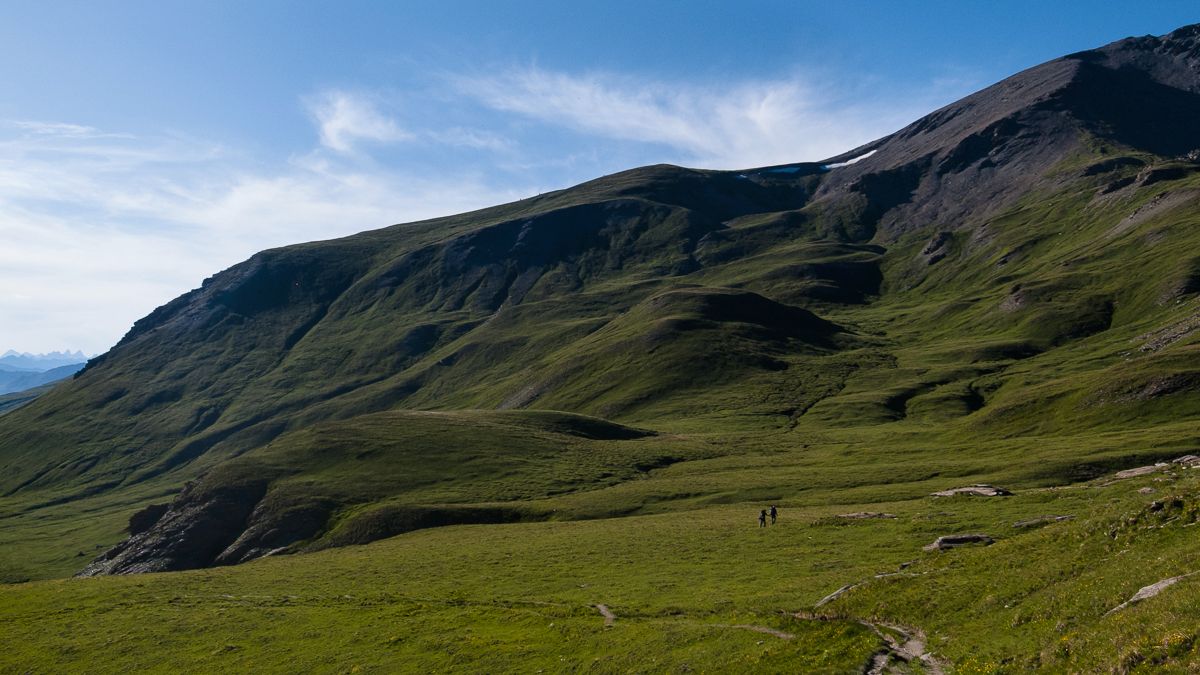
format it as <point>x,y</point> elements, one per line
<point>977,490</point>
<point>1147,592</point>
<point>937,247</point>
<point>1139,471</point>
<point>146,518</point>
<point>192,533</point>
<point>955,540</point>
<point>272,528</point>
<point>226,521</point>
<point>835,595</point>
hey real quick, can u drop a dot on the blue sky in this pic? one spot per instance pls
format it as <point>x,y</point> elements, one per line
<point>147,145</point>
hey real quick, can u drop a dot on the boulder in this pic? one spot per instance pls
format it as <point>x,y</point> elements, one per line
<point>860,515</point>
<point>1139,471</point>
<point>955,540</point>
<point>1150,591</point>
<point>977,490</point>
<point>835,595</point>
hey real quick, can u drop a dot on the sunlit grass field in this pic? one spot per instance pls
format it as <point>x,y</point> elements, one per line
<point>689,584</point>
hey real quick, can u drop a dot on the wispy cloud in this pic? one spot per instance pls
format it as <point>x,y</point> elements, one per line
<point>99,228</point>
<point>718,126</point>
<point>53,128</point>
<point>345,119</point>
<point>470,138</point>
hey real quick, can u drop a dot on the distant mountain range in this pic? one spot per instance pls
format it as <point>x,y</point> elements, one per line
<point>21,371</point>
<point>39,363</point>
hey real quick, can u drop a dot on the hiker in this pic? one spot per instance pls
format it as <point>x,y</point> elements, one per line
<point>762,518</point>
<point>774,513</point>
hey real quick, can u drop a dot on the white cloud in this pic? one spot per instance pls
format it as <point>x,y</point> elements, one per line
<point>345,118</point>
<point>53,128</point>
<point>734,126</point>
<point>96,229</point>
<point>470,138</point>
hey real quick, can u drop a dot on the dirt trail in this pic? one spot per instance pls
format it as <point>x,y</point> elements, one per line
<point>908,647</point>
<point>902,645</point>
<point>913,648</point>
<point>609,617</point>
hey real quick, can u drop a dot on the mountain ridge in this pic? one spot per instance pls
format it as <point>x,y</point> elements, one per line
<point>1039,116</point>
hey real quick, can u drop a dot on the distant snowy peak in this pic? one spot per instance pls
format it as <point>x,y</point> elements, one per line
<point>49,355</point>
<point>25,361</point>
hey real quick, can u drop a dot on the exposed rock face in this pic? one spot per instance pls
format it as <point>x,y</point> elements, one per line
<point>146,518</point>
<point>271,529</point>
<point>835,595</point>
<point>955,540</point>
<point>192,533</point>
<point>1165,337</point>
<point>936,248</point>
<point>1139,471</point>
<point>978,490</point>
<point>1150,591</point>
<point>861,515</point>
<point>212,523</point>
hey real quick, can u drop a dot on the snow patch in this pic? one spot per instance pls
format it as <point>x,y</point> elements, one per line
<point>848,162</point>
